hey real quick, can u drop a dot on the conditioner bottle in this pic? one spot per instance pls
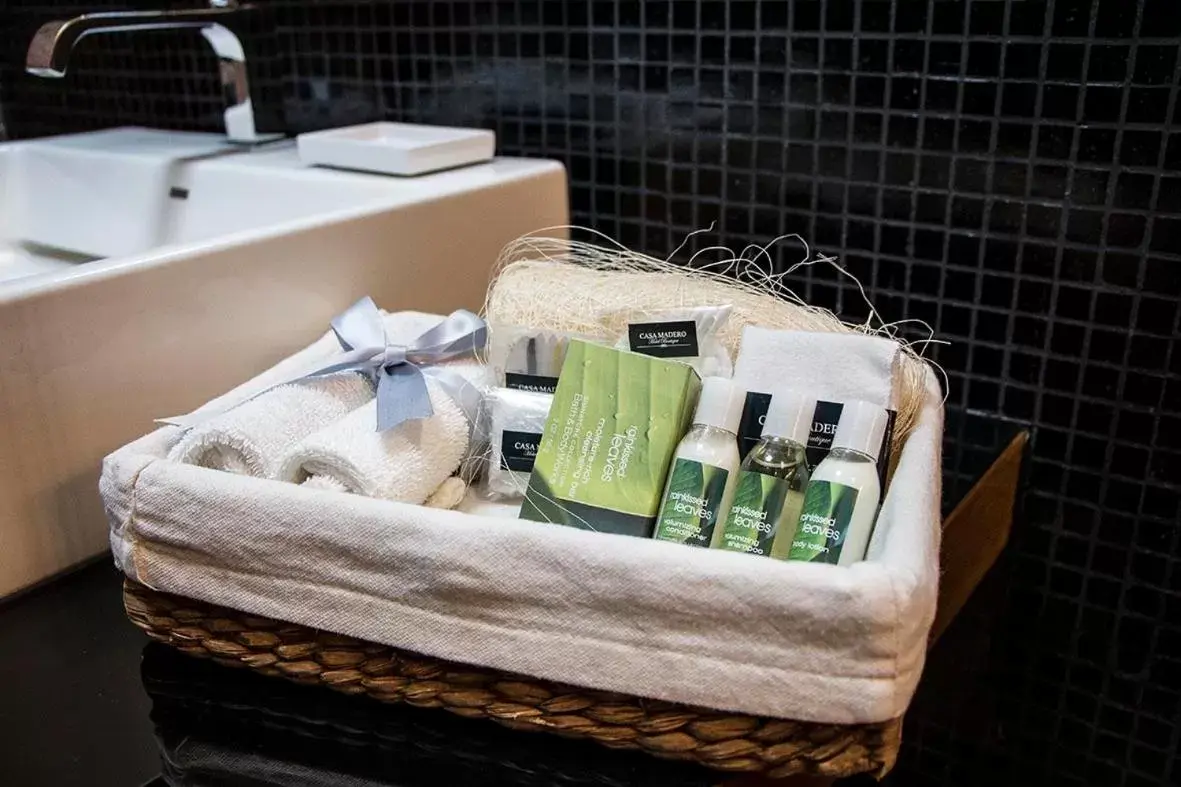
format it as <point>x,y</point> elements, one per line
<point>701,480</point>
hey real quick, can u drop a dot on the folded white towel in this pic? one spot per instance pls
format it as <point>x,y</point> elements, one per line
<point>250,439</point>
<point>406,463</point>
<point>405,327</point>
<point>835,367</point>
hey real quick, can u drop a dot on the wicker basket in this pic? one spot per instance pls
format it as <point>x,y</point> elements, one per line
<point>718,740</point>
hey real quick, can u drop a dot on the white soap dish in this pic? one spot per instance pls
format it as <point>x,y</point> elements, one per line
<point>397,148</point>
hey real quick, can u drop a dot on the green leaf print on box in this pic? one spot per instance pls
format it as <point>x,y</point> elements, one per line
<point>693,502</point>
<point>828,508</point>
<point>610,437</point>
<point>761,503</point>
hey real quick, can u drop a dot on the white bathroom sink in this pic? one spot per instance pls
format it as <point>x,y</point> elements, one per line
<point>143,272</point>
<point>69,201</point>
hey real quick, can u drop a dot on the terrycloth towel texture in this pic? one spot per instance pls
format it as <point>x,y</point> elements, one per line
<point>813,642</point>
<point>252,438</point>
<point>835,367</point>
<point>405,463</point>
<point>255,437</point>
<point>406,326</point>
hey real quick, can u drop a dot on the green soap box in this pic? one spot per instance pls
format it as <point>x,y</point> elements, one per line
<point>615,423</point>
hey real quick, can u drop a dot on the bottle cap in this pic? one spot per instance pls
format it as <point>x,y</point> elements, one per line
<point>720,404</point>
<point>790,415</point>
<point>861,428</point>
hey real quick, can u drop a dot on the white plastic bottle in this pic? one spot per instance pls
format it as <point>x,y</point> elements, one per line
<point>701,480</point>
<point>841,501</point>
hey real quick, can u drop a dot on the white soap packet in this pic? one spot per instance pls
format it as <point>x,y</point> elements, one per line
<point>515,421</point>
<point>688,333</point>
<point>528,359</point>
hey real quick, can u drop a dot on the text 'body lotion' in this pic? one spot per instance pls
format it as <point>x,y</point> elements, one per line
<point>841,502</point>
<point>770,490</point>
<point>705,468</point>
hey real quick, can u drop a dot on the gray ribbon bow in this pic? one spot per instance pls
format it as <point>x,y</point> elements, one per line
<point>399,372</point>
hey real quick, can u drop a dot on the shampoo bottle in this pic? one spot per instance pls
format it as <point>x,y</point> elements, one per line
<point>705,467</point>
<point>841,502</point>
<point>770,489</point>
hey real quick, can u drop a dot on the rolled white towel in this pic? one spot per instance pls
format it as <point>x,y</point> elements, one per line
<point>406,463</point>
<point>251,439</point>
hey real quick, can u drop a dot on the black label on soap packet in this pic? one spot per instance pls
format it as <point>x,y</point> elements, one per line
<point>663,339</point>
<point>518,450</point>
<point>537,383</point>
<point>750,428</point>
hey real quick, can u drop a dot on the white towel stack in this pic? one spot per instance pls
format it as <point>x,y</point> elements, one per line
<point>250,439</point>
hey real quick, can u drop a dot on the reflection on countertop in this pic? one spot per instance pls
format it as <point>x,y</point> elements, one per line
<point>219,726</point>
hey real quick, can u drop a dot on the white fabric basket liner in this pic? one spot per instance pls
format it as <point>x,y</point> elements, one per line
<point>729,631</point>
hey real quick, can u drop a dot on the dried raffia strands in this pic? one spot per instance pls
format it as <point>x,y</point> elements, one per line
<point>566,285</point>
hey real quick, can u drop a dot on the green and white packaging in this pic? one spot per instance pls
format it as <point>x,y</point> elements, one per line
<point>696,493</point>
<point>701,482</point>
<point>770,488</point>
<point>824,522</point>
<point>614,426</point>
<point>841,501</point>
<point>762,505</point>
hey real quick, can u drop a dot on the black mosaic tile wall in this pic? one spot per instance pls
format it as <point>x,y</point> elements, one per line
<point>1007,170</point>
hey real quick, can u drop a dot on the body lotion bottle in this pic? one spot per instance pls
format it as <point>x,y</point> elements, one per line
<point>701,480</point>
<point>841,501</point>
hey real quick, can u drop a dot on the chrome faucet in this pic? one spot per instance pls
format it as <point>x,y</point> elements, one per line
<point>49,51</point>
